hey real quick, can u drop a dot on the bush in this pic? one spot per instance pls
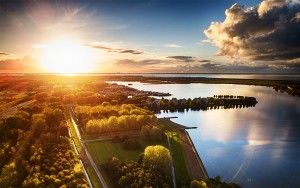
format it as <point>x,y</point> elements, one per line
<point>151,133</point>
<point>198,184</point>
<point>116,139</point>
<point>131,144</point>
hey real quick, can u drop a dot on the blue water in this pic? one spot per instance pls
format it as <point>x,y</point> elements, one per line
<point>255,147</point>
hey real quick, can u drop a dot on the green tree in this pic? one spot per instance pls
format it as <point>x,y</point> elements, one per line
<point>198,184</point>
<point>157,156</point>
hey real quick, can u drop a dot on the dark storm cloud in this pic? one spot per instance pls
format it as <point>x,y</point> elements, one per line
<point>267,32</point>
<point>116,50</point>
<point>182,58</point>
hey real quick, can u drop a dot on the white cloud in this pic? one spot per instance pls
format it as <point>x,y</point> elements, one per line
<point>172,46</point>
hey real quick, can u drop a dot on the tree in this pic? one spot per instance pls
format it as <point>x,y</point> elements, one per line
<point>157,156</point>
<point>8,176</point>
<point>198,184</point>
<point>54,116</point>
<point>41,97</point>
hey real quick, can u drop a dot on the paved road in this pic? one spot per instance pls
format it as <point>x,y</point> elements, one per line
<point>92,162</point>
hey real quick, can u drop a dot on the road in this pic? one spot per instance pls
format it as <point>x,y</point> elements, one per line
<point>92,162</point>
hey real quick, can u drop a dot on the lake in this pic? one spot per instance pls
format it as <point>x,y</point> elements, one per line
<point>255,147</point>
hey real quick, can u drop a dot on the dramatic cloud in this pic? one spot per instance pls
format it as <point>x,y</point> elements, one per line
<point>267,32</point>
<point>173,46</point>
<point>116,50</point>
<point>202,66</point>
<point>183,58</point>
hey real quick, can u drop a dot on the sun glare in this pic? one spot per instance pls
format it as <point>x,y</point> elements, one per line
<point>66,56</point>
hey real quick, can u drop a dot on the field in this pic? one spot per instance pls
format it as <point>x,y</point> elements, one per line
<point>101,151</point>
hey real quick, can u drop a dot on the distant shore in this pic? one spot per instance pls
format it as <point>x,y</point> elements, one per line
<point>291,87</point>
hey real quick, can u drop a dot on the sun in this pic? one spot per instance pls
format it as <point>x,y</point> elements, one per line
<point>66,56</point>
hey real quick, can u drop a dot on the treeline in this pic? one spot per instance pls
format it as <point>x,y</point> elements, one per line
<point>106,118</point>
<point>120,123</point>
<point>153,169</point>
<point>35,151</point>
<point>200,103</point>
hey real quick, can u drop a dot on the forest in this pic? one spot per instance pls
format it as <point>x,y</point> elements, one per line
<point>36,151</point>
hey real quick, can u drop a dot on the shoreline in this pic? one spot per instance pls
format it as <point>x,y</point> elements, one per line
<point>292,87</point>
<point>197,171</point>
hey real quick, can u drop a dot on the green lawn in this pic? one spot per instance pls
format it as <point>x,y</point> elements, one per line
<point>181,171</point>
<point>103,150</point>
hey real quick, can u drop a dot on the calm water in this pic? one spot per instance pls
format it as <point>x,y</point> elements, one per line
<point>255,147</point>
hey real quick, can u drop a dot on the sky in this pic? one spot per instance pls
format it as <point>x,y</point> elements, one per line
<point>155,36</point>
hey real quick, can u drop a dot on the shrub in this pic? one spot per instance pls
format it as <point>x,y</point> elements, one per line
<point>131,144</point>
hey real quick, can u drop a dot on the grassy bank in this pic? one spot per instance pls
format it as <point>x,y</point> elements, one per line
<point>181,171</point>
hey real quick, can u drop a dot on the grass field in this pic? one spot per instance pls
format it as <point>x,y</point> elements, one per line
<point>103,150</point>
<point>181,171</point>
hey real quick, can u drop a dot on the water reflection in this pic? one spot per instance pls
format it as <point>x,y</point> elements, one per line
<point>256,147</point>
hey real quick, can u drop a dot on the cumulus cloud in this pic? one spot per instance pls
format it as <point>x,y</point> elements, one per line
<point>182,58</point>
<point>267,32</point>
<point>116,50</point>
